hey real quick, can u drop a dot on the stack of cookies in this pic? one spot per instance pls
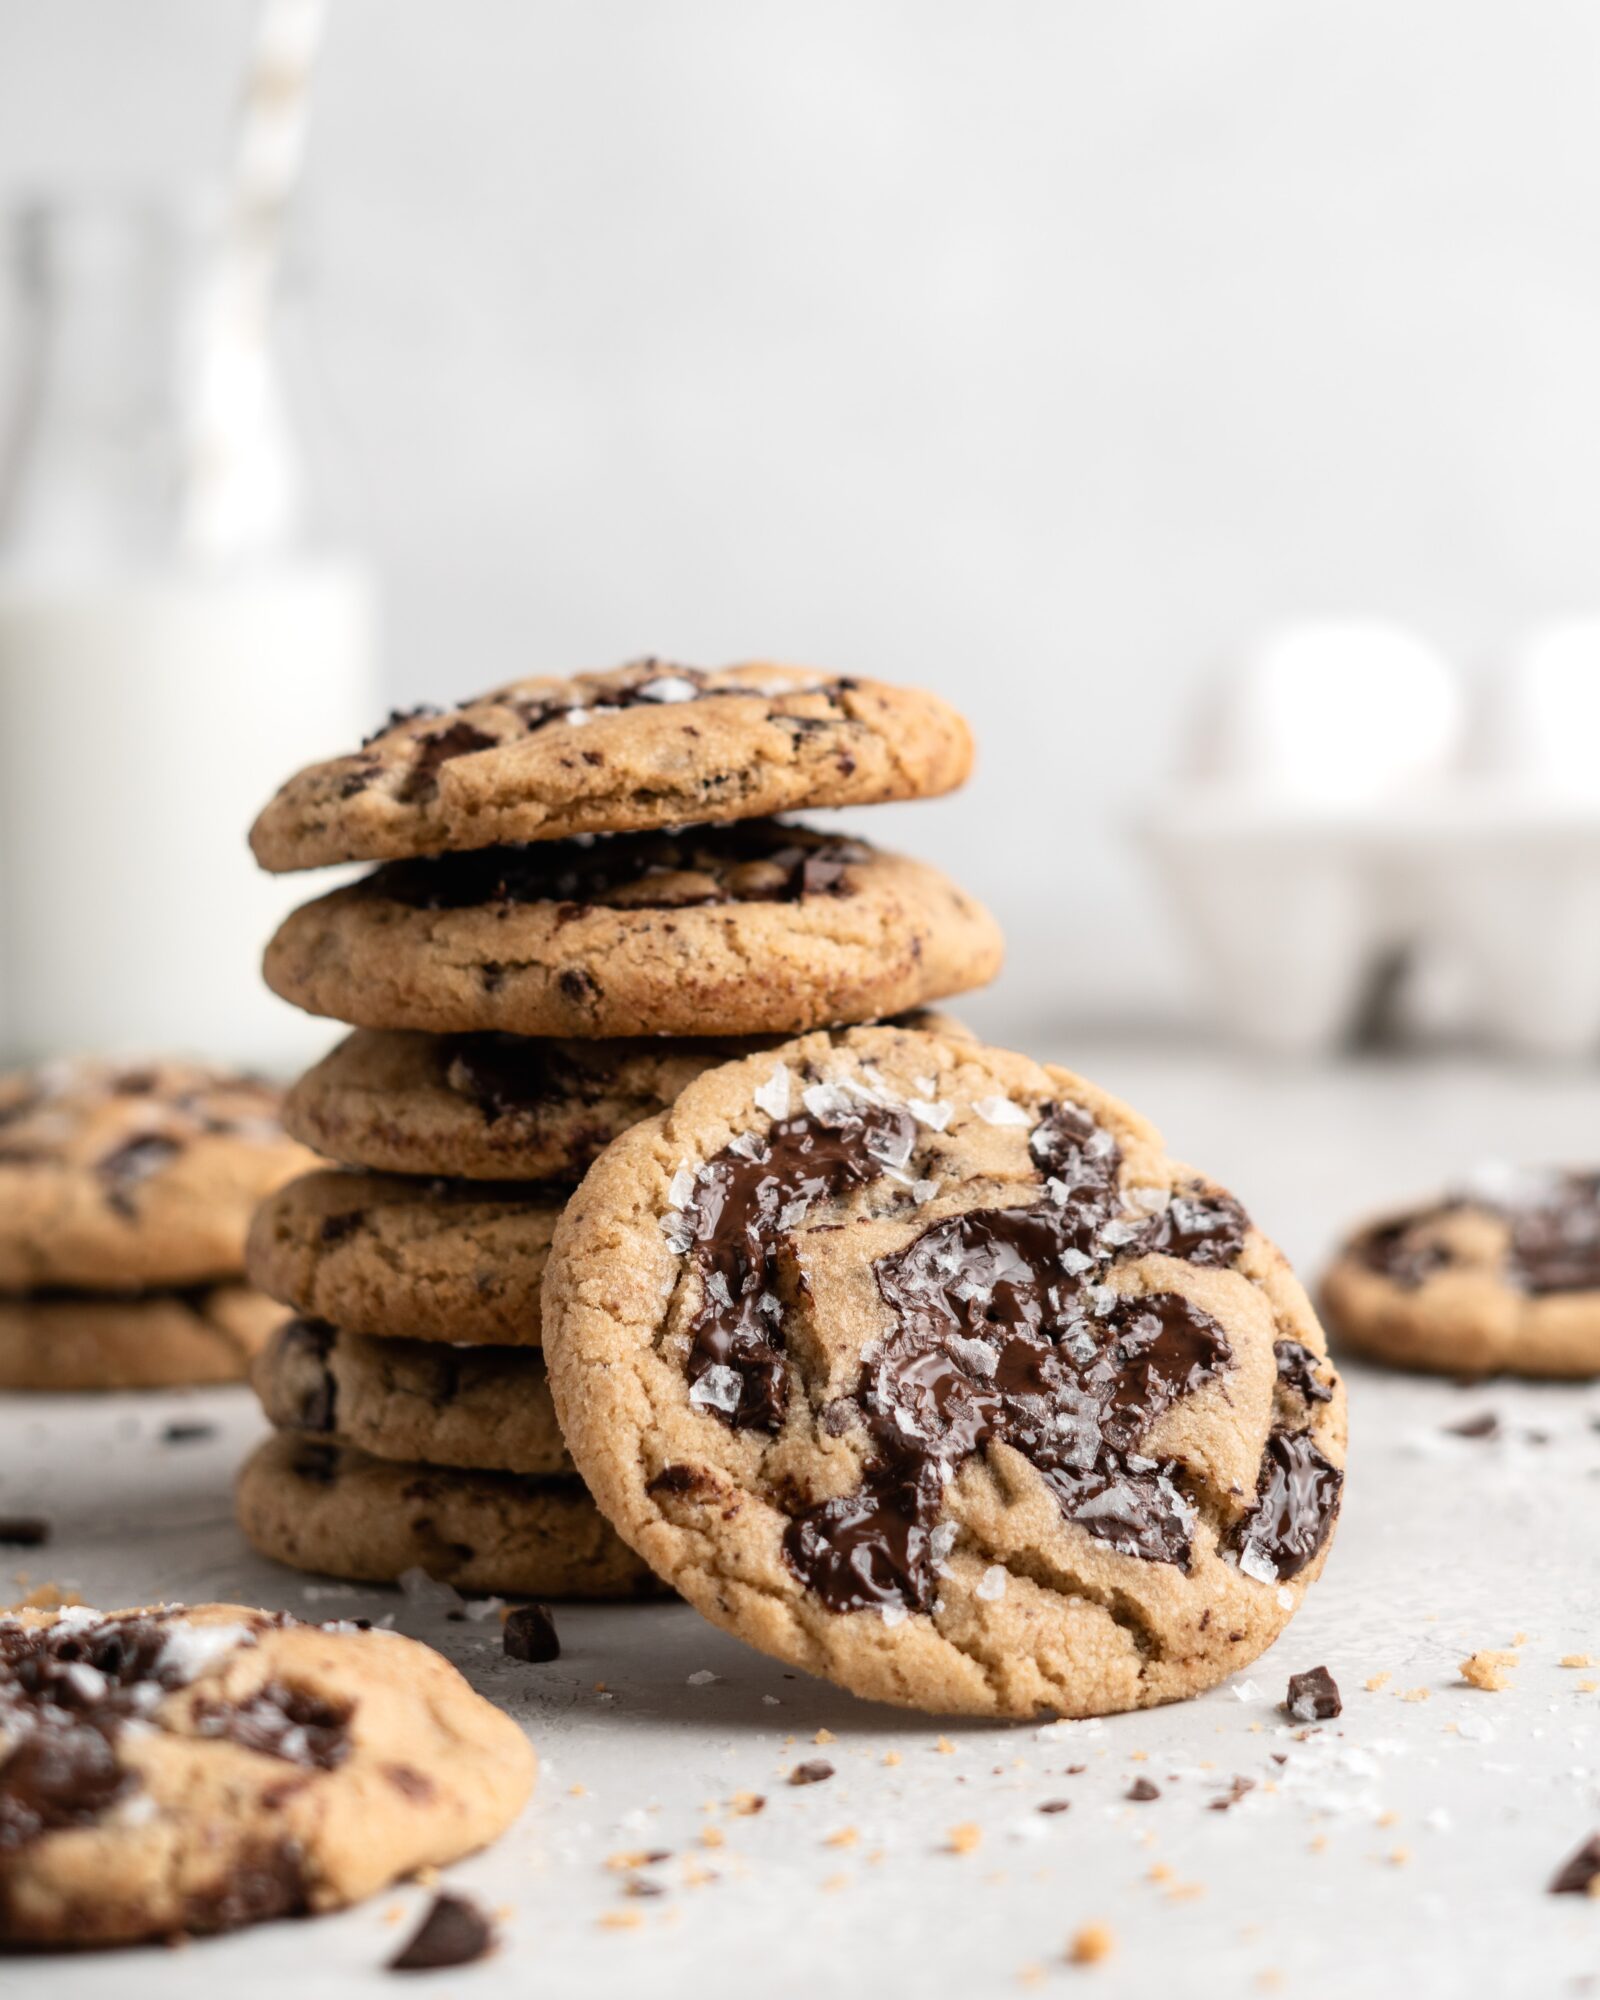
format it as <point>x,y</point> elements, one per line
<point>582,904</point>
<point>125,1194</point>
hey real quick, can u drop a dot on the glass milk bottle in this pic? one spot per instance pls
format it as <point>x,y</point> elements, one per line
<point>179,630</point>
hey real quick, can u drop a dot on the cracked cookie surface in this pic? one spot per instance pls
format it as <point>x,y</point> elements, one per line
<point>177,1770</point>
<point>921,1366</point>
<point>330,1508</point>
<point>754,929</point>
<point>410,1259</point>
<point>648,745</point>
<point>1504,1275</point>
<point>482,1408</point>
<point>152,1340</point>
<point>125,1176</point>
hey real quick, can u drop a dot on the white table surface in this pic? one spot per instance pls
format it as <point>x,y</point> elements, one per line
<point>1404,1848</point>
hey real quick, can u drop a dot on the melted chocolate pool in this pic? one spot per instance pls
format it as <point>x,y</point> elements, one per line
<point>752,861</point>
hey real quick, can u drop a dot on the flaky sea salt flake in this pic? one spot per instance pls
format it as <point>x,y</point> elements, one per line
<point>1000,1111</point>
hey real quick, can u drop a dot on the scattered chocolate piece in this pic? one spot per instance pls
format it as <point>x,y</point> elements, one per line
<point>1313,1697</point>
<point>1579,1871</point>
<point>187,1433</point>
<point>1142,1790</point>
<point>641,1885</point>
<point>1056,1805</point>
<point>1485,1426</point>
<point>811,1773</point>
<point>454,1932</point>
<point>1234,1793</point>
<point>24,1531</point>
<point>530,1634</point>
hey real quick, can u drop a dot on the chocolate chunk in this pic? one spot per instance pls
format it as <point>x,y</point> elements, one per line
<point>1313,1697</point>
<point>530,1634</point>
<point>1297,1370</point>
<point>1056,1806</point>
<point>1397,1252</point>
<point>1486,1425</point>
<point>186,1433</point>
<point>1141,1791</point>
<point>1555,1241</point>
<point>24,1531</point>
<point>1233,1794</point>
<point>135,1160</point>
<point>872,1548</point>
<point>454,1932</point>
<point>1201,1228</point>
<point>742,1203</point>
<point>506,1074</point>
<point>336,1228</point>
<point>751,861</point>
<point>397,719</point>
<point>280,1721</point>
<point>1297,1499</point>
<point>1578,1873</point>
<point>439,747</point>
<point>811,1773</point>
<point>57,1778</point>
<point>267,1881</point>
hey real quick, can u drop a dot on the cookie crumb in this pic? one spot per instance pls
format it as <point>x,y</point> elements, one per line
<point>824,1736</point>
<point>844,1836</point>
<point>713,1836</point>
<point>945,1747</point>
<point>1375,1681</point>
<point>1577,1660</point>
<point>748,1804</point>
<point>1490,1670</point>
<point>1417,1694</point>
<point>1091,1945</point>
<point>893,1757</point>
<point>619,1920</point>
<point>965,1838</point>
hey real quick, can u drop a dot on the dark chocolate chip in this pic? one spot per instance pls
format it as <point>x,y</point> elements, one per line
<point>24,1531</point>
<point>454,1932</point>
<point>1056,1806</point>
<point>1297,1501</point>
<point>530,1634</point>
<point>335,1228</point>
<point>1142,1791</point>
<point>1297,1370</point>
<point>1313,1697</point>
<point>811,1773</point>
<point>1233,1794</point>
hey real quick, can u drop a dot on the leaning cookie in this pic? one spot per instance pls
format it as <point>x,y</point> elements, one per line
<point>187,1770</point>
<point>1504,1276</point>
<point>922,1367</point>
<point>751,930</point>
<point>410,1259</point>
<point>155,1340</point>
<point>338,1511</point>
<point>497,1107</point>
<point>484,1408</point>
<point>649,745</point>
<point>121,1177</point>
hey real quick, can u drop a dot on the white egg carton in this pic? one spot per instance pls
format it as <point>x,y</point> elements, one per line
<point>1355,813</point>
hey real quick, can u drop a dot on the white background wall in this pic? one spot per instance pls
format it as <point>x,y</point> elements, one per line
<point>1035,349</point>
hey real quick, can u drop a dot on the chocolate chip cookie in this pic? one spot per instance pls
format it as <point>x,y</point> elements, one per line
<point>328,1507</point>
<point>496,1107</point>
<point>1504,1275</point>
<point>454,1261</point>
<point>124,1177</point>
<point>649,745</point>
<point>485,1408</point>
<point>758,928</point>
<point>155,1340</point>
<point>174,1770</point>
<point>922,1367</point>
